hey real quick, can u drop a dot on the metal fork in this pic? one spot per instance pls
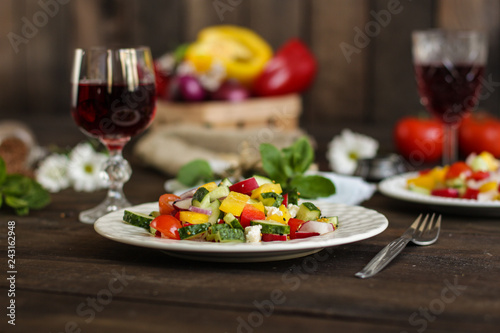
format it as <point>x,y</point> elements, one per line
<point>421,232</point>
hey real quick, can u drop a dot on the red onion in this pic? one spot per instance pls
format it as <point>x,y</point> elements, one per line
<point>200,210</point>
<point>188,194</point>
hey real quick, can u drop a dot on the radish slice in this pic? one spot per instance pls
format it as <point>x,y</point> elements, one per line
<point>245,186</point>
<point>182,204</point>
<point>315,226</point>
<point>200,210</point>
<point>188,194</point>
<point>273,237</point>
<point>303,234</point>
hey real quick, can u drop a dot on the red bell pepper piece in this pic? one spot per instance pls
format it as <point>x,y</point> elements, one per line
<point>479,175</point>
<point>470,193</point>
<point>249,213</point>
<point>445,192</point>
<point>273,237</point>
<point>303,234</point>
<point>458,169</point>
<point>291,70</point>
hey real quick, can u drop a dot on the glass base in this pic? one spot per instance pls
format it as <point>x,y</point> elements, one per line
<point>110,204</point>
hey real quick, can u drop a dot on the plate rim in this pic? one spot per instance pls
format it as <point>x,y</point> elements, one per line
<point>235,249</point>
<point>392,187</point>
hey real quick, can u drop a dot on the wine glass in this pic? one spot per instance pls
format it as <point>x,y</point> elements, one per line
<point>449,67</point>
<point>113,99</point>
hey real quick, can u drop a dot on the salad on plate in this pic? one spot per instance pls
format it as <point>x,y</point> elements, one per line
<point>253,210</point>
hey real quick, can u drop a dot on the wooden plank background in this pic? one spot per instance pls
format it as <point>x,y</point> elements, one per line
<point>376,86</point>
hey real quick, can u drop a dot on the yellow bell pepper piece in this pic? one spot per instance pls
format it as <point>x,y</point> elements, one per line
<point>490,160</point>
<point>257,204</point>
<point>241,51</point>
<point>234,203</point>
<point>438,173</point>
<point>489,186</point>
<point>282,217</point>
<point>210,186</point>
<point>193,217</point>
<point>426,181</point>
<point>266,188</point>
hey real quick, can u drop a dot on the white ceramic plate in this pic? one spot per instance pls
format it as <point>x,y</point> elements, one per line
<point>395,187</point>
<point>355,223</point>
<point>349,190</point>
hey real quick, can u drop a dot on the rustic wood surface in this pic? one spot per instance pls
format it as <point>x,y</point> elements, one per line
<point>62,264</point>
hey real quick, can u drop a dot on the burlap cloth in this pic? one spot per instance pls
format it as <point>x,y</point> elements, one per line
<point>169,147</point>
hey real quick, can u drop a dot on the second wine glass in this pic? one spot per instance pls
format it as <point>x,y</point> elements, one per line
<point>113,99</point>
<point>449,66</point>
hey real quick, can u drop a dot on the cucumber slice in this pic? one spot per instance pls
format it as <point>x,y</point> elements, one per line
<point>308,212</point>
<point>229,218</point>
<point>226,182</point>
<point>331,219</point>
<point>271,199</point>
<point>225,235</point>
<point>262,180</point>
<point>137,219</point>
<point>201,198</point>
<point>214,207</point>
<point>154,213</point>
<point>219,192</point>
<point>271,227</point>
<point>193,230</point>
<point>214,230</point>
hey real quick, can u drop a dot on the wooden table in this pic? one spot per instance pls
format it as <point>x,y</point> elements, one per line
<point>70,279</point>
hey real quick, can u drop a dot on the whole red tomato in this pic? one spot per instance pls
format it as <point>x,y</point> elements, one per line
<point>479,132</point>
<point>419,140</point>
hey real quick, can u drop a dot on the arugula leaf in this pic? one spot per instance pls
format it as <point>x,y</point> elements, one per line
<point>195,172</point>
<point>313,186</point>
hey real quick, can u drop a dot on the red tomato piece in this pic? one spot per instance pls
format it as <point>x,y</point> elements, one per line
<point>303,234</point>
<point>273,237</point>
<point>249,213</point>
<point>245,186</point>
<point>165,204</point>
<point>168,225</point>
<point>294,225</point>
<point>458,169</point>
<point>471,193</point>
<point>445,192</point>
<point>479,175</point>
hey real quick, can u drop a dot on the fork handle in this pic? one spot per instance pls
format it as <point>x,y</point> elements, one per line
<point>385,256</point>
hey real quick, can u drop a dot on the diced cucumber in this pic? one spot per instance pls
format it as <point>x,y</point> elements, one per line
<point>219,192</point>
<point>235,224</point>
<point>137,219</point>
<point>308,212</point>
<point>271,199</point>
<point>214,207</point>
<point>271,227</point>
<point>213,231</point>
<point>229,218</point>
<point>419,189</point>
<point>201,198</point>
<point>262,180</point>
<point>193,230</point>
<point>225,235</point>
<point>154,213</point>
<point>226,182</point>
<point>293,197</point>
<point>152,231</point>
<point>331,219</point>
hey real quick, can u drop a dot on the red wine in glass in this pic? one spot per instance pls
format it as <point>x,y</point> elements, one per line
<point>115,112</point>
<point>449,93</point>
<point>113,99</point>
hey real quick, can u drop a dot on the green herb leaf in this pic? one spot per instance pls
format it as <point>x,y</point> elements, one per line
<point>15,202</point>
<point>3,171</point>
<point>195,172</point>
<point>36,196</point>
<point>313,186</point>
<point>272,163</point>
<point>299,155</point>
<point>16,185</point>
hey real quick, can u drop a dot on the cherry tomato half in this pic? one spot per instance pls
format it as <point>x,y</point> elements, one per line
<point>165,203</point>
<point>294,225</point>
<point>168,225</point>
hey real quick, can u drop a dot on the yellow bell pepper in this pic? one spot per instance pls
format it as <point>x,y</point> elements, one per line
<point>210,186</point>
<point>234,203</point>
<point>426,181</point>
<point>241,51</point>
<point>489,186</point>
<point>281,217</point>
<point>266,188</point>
<point>193,217</point>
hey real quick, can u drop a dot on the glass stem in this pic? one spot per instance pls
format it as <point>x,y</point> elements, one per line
<point>450,147</point>
<point>118,172</point>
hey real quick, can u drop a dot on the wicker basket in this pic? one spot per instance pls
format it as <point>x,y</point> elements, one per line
<point>281,111</point>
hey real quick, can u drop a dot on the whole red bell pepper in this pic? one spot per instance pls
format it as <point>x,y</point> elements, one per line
<point>291,70</point>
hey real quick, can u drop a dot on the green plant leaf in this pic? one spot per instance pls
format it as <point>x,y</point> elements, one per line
<point>195,172</point>
<point>36,196</point>
<point>302,155</point>
<point>3,171</point>
<point>313,186</point>
<point>16,185</point>
<point>22,211</point>
<point>15,202</point>
<point>272,163</point>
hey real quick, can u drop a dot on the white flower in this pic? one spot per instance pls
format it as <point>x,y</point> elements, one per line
<point>52,173</point>
<point>85,167</point>
<point>346,149</point>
